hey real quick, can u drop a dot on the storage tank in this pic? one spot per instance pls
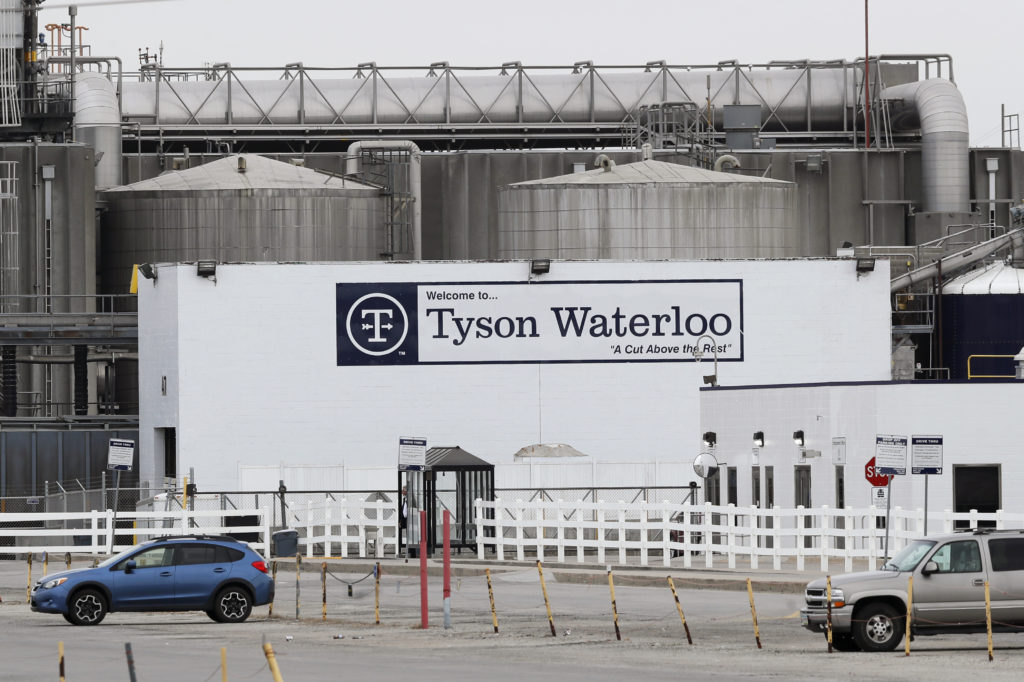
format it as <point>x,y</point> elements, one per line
<point>649,210</point>
<point>239,208</point>
<point>983,322</point>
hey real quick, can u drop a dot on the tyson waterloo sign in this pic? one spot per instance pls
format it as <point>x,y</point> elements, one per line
<point>516,322</point>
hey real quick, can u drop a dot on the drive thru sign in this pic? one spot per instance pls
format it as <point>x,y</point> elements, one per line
<point>874,478</point>
<point>120,454</point>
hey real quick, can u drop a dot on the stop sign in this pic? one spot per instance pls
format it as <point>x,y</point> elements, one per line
<point>874,478</point>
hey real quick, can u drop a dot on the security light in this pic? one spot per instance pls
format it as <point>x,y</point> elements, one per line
<point>798,438</point>
<point>710,438</point>
<point>147,271</point>
<point>865,265</point>
<point>759,438</point>
<point>206,268</point>
<point>540,266</point>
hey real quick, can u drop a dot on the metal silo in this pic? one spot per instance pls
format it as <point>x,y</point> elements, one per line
<point>649,210</point>
<point>239,208</point>
<point>982,322</point>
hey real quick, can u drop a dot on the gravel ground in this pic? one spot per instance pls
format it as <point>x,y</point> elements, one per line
<point>349,646</point>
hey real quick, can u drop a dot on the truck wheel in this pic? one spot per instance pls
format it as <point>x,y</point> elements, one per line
<point>843,641</point>
<point>876,627</point>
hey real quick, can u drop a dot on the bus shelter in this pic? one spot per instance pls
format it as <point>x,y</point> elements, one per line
<point>451,480</point>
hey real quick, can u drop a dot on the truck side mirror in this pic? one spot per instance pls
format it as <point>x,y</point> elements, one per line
<point>929,568</point>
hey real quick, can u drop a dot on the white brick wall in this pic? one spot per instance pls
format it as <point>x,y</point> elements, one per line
<point>252,374</point>
<point>979,422</point>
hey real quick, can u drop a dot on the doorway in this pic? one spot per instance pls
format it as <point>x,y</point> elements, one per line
<point>802,496</point>
<point>976,487</point>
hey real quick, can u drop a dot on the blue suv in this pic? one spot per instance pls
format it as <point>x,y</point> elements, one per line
<point>216,574</point>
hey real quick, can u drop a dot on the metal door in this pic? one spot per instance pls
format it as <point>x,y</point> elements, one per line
<point>1006,578</point>
<point>149,585</point>
<point>956,593</point>
<point>976,487</point>
<point>198,569</point>
<point>802,496</point>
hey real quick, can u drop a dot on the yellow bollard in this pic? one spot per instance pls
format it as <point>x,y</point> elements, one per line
<point>490,593</point>
<point>615,609</point>
<point>679,608</point>
<point>60,660</point>
<point>988,620</point>
<point>547,604</point>
<point>67,560</point>
<point>753,612</point>
<point>323,588</point>
<point>910,610</point>
<point>46,563</point>
<point>298,572</point>
<point>376,594</point>
<point>268,651</point>
<point>223,664</point>
<point>273,575</point>
<point>828,611</point>
<point>28,588</point>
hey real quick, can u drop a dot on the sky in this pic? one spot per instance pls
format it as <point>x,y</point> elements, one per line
<point>980,35</point>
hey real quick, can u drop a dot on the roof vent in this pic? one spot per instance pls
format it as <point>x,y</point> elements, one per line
<point>241,164</point>
<point>604,161</point>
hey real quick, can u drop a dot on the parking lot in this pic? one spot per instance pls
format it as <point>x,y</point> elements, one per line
<point>349,645</point>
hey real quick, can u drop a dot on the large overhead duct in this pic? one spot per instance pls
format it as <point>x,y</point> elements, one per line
<point>937,107</point>
<point>796,98</point>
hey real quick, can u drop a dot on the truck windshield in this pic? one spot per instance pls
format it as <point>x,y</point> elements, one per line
<point>908,557</point>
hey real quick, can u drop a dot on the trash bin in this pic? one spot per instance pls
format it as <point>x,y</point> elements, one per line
<point>285,542</point>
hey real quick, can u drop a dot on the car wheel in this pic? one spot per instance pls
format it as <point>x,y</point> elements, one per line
<point>212,614</point>
<point>843,641</point>
<point>876,627</point>
<point>68,618</point>
<point>232,605</point>
<point>87,607</point>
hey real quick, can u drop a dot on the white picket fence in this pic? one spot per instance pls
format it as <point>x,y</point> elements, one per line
<point>603,531</point>
<point>93,532</point>
<point>371,526</point>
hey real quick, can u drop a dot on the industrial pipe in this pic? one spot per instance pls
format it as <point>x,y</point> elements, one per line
<point>962,259</point>
<point>937,107</point>
<point>98,124</point>
<point>726,159</point>
<point>352,157</point>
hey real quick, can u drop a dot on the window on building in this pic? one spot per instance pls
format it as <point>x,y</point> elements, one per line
<point>755,486</point>
<point>802,485</point>
<point>840,487</point>
<point>170,452</point>
<point>713,492</point>
<point>731,486</point>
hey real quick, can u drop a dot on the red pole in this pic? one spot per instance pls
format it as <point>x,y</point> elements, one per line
<point>447,589</point>
<point>424,618</point>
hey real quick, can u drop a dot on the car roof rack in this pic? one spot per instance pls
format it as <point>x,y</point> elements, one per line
<point>198,536</point>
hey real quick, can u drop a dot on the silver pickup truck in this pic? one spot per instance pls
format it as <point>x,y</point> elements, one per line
<point>869,608</point>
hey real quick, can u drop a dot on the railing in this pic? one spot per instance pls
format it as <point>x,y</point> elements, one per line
<point>601,531</point>
<point>366,524</point>
<point>100,532</point>
<point>972,375</point>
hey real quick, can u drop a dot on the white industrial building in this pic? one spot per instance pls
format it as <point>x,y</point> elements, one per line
<point>255,364</point>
